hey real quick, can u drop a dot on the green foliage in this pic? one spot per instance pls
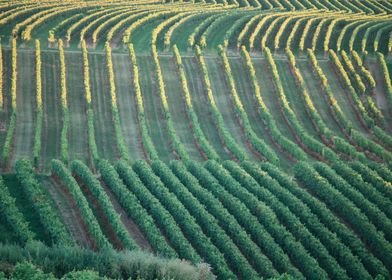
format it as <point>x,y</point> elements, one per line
<point>258,143</point>
<point>13,216</point>
<point>134,209</point>
<point>346,210</point>
<point>75,262</point>
<point>65,176</point>
<point>86,177</point>
<point>41,203</point>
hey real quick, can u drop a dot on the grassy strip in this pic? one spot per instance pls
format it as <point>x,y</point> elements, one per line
<point>61,171</point>
<point>47,214</point>
<point>116,117</point>
<point>13,216</point>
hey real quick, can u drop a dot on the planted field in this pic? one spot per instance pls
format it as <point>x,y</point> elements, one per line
<point>196,140</point>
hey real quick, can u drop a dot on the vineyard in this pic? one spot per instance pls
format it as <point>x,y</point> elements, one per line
<point>203,139</point>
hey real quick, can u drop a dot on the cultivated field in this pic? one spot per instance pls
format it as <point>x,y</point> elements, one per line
<point>250,139</point>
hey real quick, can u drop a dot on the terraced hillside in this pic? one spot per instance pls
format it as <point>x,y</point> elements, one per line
<point>250,139</point>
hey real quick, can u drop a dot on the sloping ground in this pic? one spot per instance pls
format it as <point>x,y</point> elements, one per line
<point>26,105</point>
<point>77,134</point>
<point>53,119</point>
<point>127,105</point>
<point>103,119</point>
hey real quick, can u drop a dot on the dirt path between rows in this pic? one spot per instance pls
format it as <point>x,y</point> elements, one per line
<point>129,224</point>
<point>69,213</point>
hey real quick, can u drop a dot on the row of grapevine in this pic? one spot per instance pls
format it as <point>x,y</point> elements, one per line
<point>162,217</point>
<point>382,185</point>
<point>176,143</point>
<point>40,202</point>
<point>196,234</point>
<point>219,22</point>
<point>379,133</point>
<point>12,123</point>
<point>1,79</point>
<point>292,120</point>
<point>280,139</point>
<point>146,139</point>
<point>90,114</point>
<point>84,19</point>
<point>347,210</point>
<point>193,38</point>
<point>355,77</point>
<point>338,114</point>
<point>64,105</point>
<point>112,31</point>
<point>115,114</point>
<point>52,32</point>
<point>230,221</point>
<point>293,224</point>
<point>12,216</point>
<point>253,223</point>
<point>127,35</point>
<point>256,142</point>
<point>307,247</point>
<point>214,220</point>
<point>132,206</point>
<point>189,18</point>
<point>386,78</point>
<point>26,33</point>
<point>201,139</point>
<point>104,18</point>
<point>251,176</point>
<point>353,175</point>
<point>364,78</point>
<point>90,182</point>
<point>365,73</point>
<point>321,127</point>
<point>218,119</point>
<point>329,219</point>
<point>372,211</point>
<point>39,121</point>
<point>64,175</point>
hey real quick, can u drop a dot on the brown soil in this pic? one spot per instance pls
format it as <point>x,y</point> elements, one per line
<point>129,224</point>
<point>70,213</point>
